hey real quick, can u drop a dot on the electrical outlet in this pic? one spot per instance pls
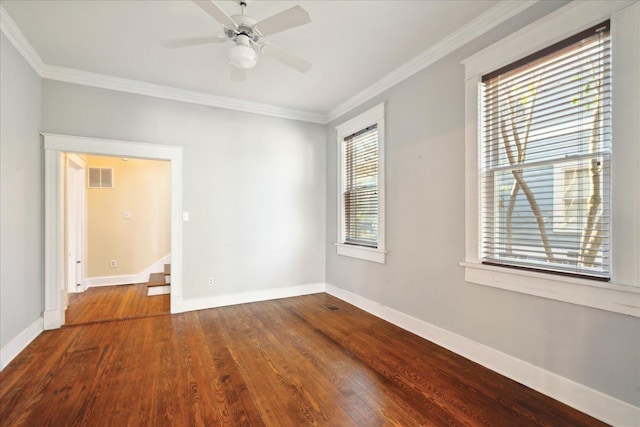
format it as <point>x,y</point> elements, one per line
<point>210,281</point>
<point>113,263</point>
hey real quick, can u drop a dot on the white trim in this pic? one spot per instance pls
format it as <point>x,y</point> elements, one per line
<point>87,145</point>
<point>20,342</point>
<point>373,116</point>
<point>478,26</point>
<point>69,75</point>
<point>55,146</point>
<point>166,92</point>
<point>127,279</point>
<point>180,305</point>
<point>124,279</point>
<point>622,295</point>
<point>361,121</point>
<point>54,259</point>
<point>597,404</point>
<point>361,252</point>
<point>570,19</point>
<point>20,42</point>
<point>158,290</point>
<point>589,293</point>
<point>75,161</point>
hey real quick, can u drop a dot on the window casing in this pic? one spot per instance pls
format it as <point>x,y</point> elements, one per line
<point>622,293</point>
<point>546,145</point>
<point>361,186</point>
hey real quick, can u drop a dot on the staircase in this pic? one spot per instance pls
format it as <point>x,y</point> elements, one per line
<point>160,283</point>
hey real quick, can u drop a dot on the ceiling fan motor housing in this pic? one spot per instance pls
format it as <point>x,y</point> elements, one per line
<point>245,26</point>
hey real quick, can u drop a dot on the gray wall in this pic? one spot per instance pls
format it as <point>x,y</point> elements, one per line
<point>262,196</point>
<point>425,241</point>
<point>21,195</point>
<point>254,185</point>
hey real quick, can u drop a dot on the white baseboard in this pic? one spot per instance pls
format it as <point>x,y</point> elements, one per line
<point>52,319</point>
<point>180,305</point>
<point>158,290</point>
<point>20,342</point>
<point>592,402</point>
<point>127,279</point>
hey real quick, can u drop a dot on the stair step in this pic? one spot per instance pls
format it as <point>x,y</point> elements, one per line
<point>167,269</point>
<point>157,279</point>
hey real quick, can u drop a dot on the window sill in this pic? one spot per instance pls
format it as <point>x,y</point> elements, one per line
<point>361,252</point>
<point>605,296</point>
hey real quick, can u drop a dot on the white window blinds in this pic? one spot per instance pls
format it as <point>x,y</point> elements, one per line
<point>360,188</point>
<point>546,128</point>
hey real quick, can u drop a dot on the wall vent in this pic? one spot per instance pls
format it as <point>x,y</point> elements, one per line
<point>100,178</point>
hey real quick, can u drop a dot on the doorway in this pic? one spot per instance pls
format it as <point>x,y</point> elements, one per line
<point>55,257</point>
<point>123,207</point>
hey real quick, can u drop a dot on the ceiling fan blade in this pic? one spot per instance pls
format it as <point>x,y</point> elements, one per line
<point>216,13</point>
<point>286,57</point>
<point>290,18</point>
<point>238,74</point>
<point>192,41</point>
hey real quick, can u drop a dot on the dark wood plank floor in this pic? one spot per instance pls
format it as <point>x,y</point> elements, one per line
<point>114,302</point>
<point>289,362</point>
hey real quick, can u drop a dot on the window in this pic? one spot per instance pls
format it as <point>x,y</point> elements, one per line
<point>559,175</point>
<point>546,144</point>
<point>361,186</point>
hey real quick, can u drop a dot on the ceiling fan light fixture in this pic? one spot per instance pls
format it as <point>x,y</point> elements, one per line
<point>243,56</point>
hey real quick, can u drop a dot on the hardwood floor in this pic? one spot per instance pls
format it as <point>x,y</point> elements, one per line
<point>114,302</point>
<point>289,362</point>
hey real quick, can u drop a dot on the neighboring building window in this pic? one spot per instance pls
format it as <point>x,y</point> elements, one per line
<point>570,201</point>
<point>361,186</point>
<point>545,165</point>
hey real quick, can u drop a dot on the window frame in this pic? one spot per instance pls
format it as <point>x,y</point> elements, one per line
<point>565,134</point>
<point>371,117</point>
<point>622,293</point>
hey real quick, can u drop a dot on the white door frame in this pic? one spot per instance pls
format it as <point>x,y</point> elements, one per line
<point>75,214</point>
<point>55,147</point>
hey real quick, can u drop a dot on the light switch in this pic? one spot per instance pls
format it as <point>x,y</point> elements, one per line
<point>127,215</point>
<point>185,216</point>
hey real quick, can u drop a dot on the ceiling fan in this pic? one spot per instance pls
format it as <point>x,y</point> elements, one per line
<point>248,36</point>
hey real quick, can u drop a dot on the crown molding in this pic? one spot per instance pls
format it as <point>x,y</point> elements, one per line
<point>69,75</point>
<point>478,26</point>
<point>20,42</point>
<point>85,78</point>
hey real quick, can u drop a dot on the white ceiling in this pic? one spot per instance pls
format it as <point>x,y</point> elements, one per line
<point>352,44</point>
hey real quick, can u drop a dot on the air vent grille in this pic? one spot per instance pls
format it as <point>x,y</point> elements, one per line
<point>100,178</point>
